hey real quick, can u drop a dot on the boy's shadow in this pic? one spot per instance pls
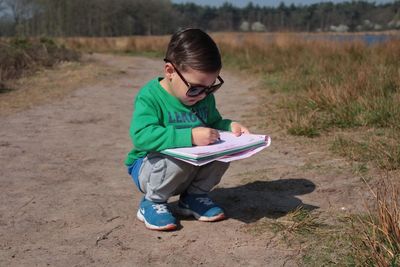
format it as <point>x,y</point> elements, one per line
<point>272,199</point>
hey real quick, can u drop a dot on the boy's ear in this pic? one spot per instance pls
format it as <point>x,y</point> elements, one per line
<point>169,70</point>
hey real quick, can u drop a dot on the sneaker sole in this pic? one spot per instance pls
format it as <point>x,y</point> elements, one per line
<point>188,212</point>
<point>167,227</point>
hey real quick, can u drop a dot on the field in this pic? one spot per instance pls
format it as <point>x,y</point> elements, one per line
<point>326,193</point>
<point>362,94</point>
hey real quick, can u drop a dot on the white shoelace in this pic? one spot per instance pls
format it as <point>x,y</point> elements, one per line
<point>160,208</point>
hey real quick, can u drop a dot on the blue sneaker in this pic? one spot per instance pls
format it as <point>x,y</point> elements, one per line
<point>201,207</point>
<point>156,216</point>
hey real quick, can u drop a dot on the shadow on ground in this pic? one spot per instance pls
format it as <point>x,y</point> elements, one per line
<point>272,199</point>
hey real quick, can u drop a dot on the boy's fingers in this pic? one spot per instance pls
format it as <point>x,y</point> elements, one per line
<point>215,133</point>
<point>237,133</point>
<point>214,136</point>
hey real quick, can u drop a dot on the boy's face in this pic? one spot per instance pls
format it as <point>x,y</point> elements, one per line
<point>178,87</point>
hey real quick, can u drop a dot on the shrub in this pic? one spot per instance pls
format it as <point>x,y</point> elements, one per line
<point>21,56</point>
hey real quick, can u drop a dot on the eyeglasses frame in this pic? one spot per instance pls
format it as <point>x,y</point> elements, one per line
<point>207,89</point>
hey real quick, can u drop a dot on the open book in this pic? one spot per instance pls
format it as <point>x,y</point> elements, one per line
<point>229,148</point>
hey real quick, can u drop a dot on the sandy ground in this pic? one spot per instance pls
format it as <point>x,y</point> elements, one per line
<point>67,200</point>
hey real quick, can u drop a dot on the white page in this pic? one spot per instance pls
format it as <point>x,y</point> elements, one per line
<point>242,155</point>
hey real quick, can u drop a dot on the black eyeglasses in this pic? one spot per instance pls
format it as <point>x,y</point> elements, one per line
<point>196,90</point>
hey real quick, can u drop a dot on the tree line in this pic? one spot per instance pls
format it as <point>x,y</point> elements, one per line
<point>157,17</point>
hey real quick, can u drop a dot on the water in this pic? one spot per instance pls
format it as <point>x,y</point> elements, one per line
<point>369,39</point>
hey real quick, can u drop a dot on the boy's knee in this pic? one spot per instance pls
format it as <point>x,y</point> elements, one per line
<point>163,167</point>
<point>178,166</point>
<point>162,177</point>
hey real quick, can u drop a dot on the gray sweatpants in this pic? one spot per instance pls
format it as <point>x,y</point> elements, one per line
<point>162,176</point>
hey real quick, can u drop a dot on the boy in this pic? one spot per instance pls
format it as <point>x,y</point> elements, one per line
<point>179,110</point>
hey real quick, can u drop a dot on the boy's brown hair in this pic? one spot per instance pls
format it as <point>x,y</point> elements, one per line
<point>195,49</point>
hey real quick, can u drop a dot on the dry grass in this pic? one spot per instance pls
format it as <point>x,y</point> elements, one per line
<point>363,91</point>
<point>321,239</point>
<point>117,44</point>
<point>378,239</point>
<point>325,239</point>
<point>298,221</point>
<point>328,85</point>
<point>325,85</point>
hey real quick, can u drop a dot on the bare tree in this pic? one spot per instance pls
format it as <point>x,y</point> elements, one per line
<point>21,10</point>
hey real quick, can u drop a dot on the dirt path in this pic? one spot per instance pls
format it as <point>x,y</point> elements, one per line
<point>66,199</point>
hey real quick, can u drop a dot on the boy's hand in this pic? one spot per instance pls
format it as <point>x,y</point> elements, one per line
<point>238,129</point>
<point>202,136</point>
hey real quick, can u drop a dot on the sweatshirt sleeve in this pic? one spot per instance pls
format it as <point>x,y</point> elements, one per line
<point>148,133</point>
<point>214,118</point>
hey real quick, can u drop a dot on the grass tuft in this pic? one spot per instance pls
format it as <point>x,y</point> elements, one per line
<point>299,221</point>
<point>378,240</point>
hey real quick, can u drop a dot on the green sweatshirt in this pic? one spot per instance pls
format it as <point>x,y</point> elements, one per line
<point>161,121</point>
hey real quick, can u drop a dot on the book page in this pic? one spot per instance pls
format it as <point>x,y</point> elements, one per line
<point>242,155</point>
<point>228,158</point>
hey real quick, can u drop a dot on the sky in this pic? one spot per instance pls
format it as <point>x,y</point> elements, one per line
<point>242,3</point>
